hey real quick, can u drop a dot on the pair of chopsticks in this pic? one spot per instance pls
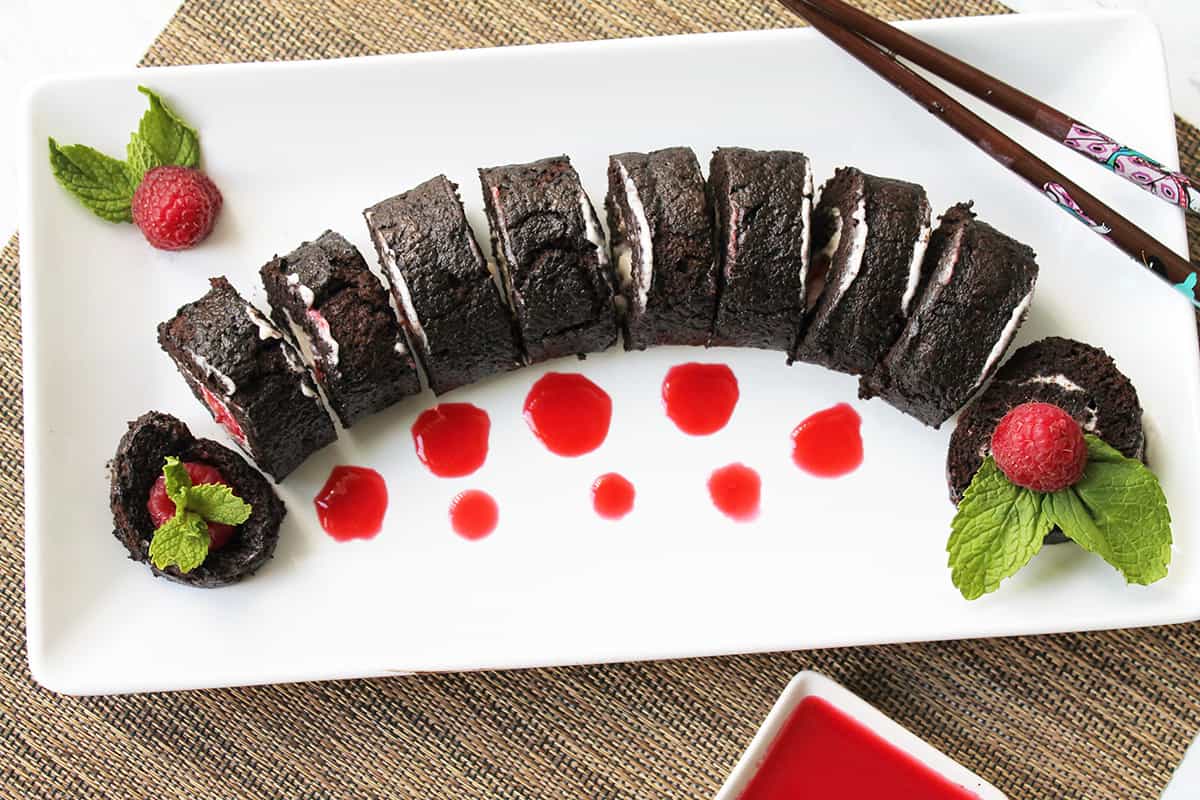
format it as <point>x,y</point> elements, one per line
<point>865,37</point>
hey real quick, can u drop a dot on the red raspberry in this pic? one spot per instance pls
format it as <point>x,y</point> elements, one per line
<point>175,207</point>
<point>1040,446</point>
<point>162,507</point>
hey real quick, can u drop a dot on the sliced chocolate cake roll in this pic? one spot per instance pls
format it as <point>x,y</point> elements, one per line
<point>251,379</point>
<point>552,259</point>
<point>138,465</point>
<point>457,321</point>
<point>870,236</point>
<point>1080,379</point>
<point>324,294</point>
<point>973,298</point>
<point>763,204</point>
<point>661,224</point>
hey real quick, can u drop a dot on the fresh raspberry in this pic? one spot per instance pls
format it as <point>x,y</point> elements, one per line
<point>175,207</point>
<point>1040,446</point>
<point>162,507</point>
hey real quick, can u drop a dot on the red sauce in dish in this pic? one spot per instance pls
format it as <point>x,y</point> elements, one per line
<point>822,752</point>
<point>221,415</point>
<point>829,443</point>
<point>161,507</point>
<point>612,495</point>
<point>700,398</point>
<point>473,514</point>
<point>352,503</point>
<point>735,491</point>
<point>452,439</point>
<point>568,413</point>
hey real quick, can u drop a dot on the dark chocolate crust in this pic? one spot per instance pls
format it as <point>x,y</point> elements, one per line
<point>254,372</point>
<point>851,330</point>
<point>138,463</point>
<point>371,368</point>
<point>464,331</point>
<point>560,283</point>
<point>681,301</point>
<point>763,202</point>
<point>976,280</point>
<point>1097,394</point>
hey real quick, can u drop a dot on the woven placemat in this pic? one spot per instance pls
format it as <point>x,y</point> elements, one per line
<point>1104,715</point>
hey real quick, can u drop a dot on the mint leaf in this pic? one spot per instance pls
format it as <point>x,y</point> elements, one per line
<point>998,528</point>
<point>140,157</point>
<point>177,482</point>
<point>182,541</point>
<point>166,135</point>
<point>1117,511</point>
<point>216,502</point>
<point>100,182</point>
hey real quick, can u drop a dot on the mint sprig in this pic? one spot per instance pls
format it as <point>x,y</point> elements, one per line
<point>104,184</point>
<point>183,540</point>
<point>1117,510</point>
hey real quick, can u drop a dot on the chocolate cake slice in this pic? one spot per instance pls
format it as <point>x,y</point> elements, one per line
<point>763,203</point>
<point>1080,379</point>
<point>324,294</point>
<point>974,296</point>
<point>137,465</point>
<point>870,236</point>
<point>661,224</point>
<point>251,379</point>
<point>552,259</point>
<point>457,321</point>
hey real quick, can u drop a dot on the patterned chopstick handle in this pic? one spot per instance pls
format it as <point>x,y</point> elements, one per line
<point>1174,187</point>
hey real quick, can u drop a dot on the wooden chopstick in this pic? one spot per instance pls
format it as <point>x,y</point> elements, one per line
<point>1132,165</point>
<point>1054,185</point>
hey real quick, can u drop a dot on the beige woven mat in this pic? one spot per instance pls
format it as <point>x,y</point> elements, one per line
<point>1103,715</point>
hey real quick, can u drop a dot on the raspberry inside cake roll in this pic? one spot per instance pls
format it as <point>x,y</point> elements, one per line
<point>249,377</point>
<point>974,296</point>
<point>763,204</point>
<point>325,294</point>
<point>870,236</point>
<point>661,223</point>
<point>552,258</point>
<point>456,319</point>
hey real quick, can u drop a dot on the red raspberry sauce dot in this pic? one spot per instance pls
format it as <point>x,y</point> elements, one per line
<point>452,439</point>
<point>700,398</point>
<point>735,491</point>
<point>568,413</point>
<point>352,503</point>
<point>612,496</point>
<point>829,444</point>
<point>473,514</point>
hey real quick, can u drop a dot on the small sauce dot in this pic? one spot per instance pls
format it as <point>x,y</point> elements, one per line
<point>829,443</point>
<point>473,514</point>
<point>735,490</point>
<point>700,398</point>
<point>352,503</point>
<point>452,439</point>
<point>612,495</point>
<point>568,413</point>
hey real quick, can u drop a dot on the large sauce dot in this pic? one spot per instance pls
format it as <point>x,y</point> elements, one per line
<point>568,413</point>
<point>452,439</point>
<point>829,443</point>
<point>700,398</point>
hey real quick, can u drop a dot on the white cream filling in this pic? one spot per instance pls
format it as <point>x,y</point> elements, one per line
<point>806,204</point>
<point>325,335</point>
<point>265,329</point>
<point>1006,335</point>
<point>305,293</point>
<point>592,229</point>
<point>202,363</point>
<point>858,247</point>
<point>400,286</point>
<point>400,347</point>
<point>835,240</point>
<point>645,243</point>
<point>1058,379</point>
<point>504,256</point>
<point>914,266</point>
<point>293,362</point>
<point>949,259</point>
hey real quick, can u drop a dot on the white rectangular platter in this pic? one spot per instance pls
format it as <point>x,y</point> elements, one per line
<point>298,148</point>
